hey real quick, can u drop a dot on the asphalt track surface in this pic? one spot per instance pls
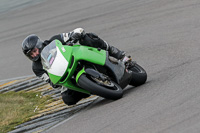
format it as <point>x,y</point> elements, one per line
<point>161,35</point>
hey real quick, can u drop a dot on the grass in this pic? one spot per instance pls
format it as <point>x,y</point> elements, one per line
<point>17,108</point>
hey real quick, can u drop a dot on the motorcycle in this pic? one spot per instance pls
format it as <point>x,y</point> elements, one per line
<point>89,70</point>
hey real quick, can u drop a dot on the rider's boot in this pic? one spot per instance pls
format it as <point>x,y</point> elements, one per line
<point>120,55</point>
<point>115,52</point>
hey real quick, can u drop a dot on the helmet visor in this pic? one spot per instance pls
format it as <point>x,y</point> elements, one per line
<point>33,54</point>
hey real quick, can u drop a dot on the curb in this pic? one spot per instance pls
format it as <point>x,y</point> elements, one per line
<point>55,112</point>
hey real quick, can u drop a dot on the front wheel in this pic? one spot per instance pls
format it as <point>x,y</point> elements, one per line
<point>107,89</point>
<point>139,75</point>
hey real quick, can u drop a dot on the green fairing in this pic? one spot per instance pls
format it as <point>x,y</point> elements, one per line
<point>54,78</point>
<point>79,52</point>
<point>79,74</point>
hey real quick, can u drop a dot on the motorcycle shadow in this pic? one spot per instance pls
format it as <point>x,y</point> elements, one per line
<point>131,89</point>
<point>100,102</point>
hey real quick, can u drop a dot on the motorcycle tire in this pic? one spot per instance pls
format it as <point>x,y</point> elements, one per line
<point>139,75</point>
<point>86,82</point>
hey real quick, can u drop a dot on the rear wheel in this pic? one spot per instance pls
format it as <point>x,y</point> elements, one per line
<point>139,75</point>
<point>107,88</point>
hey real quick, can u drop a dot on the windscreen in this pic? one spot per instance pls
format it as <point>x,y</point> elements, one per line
<point>48,55</point>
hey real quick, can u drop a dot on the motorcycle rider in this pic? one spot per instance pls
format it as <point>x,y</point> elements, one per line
<point>32,46</point>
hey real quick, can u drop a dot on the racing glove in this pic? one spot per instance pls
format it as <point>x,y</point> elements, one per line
<point>46,78</point>
<point>77,34</point>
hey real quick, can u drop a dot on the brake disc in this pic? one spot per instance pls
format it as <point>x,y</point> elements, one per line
<point>104,83</point>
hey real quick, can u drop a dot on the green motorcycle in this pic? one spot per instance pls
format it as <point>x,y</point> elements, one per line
<point>89,70</point>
